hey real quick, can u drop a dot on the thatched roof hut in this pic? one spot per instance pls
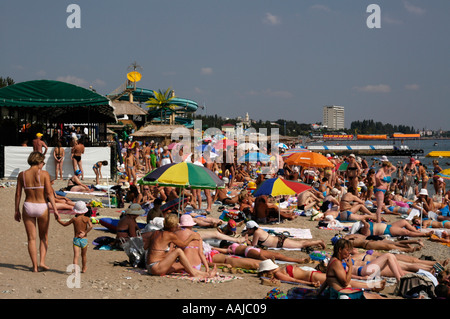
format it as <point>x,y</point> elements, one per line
<point>160,133</point>
<point>127,108</point>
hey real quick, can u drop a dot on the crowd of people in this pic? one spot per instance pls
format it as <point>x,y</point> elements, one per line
<point>361,194</point>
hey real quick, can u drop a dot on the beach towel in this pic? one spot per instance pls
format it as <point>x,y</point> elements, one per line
<point>437,237</point>
<point>215,280</point>
<point>294,232</point>
<point>276,293</point>
<point>90,193</point>
<point>184,276</point>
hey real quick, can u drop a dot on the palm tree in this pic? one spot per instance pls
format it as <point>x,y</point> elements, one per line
<point>163,102</point>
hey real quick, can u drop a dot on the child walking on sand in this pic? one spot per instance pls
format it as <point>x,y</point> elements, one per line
<point>82,225</point>
<point>98,170</point>
<point>130,166</point>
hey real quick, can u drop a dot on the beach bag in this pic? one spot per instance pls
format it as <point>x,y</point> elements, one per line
<point>412,284</point>
<point>134,248</point>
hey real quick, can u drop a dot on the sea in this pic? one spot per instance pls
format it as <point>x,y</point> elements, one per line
<point>427,145</point>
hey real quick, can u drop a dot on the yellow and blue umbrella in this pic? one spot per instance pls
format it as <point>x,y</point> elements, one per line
<point>183,175</point>
<point>279,186</point>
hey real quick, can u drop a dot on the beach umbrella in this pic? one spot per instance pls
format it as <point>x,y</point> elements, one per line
<point>278,187</point>
<point>248,146</point>
<point>444,173</point>
<point>281,145</point>
<point>224,143</point>
<point>308,159</point>
<point>342,167</point>
<point>183,175</point>
<point>187,157</point>
<point>172,145</point>
<point>201,148</point>
<point>254,157</point>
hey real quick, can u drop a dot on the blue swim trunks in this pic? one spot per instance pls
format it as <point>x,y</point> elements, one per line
<point>80,242</point>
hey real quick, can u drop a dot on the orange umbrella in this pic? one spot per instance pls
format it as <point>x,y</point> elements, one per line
<point>308,159</point>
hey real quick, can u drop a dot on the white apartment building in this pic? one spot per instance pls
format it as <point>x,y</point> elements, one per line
<point>333,117</point>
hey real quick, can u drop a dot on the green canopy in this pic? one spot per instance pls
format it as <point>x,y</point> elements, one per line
<point>58,101</point>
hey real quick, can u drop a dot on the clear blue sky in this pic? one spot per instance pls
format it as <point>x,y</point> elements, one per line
<point>272,59</point>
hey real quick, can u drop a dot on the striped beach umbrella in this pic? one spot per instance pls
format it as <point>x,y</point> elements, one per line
<point>444,173</point>
<point>183,175</point>
<point>279,186</point>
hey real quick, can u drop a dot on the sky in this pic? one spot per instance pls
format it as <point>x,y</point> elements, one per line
<point>278,59</point>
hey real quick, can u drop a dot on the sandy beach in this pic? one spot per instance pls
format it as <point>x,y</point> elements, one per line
<point>105,280</point>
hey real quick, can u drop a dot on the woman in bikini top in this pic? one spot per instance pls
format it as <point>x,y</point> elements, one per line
<point>37,187</point>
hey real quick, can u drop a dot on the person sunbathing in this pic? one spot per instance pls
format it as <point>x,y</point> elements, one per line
<point>360,241</point>
<point>227,195</point>
<point>384,265</point>
<point>444,238</point>
<point>399,228</point>
<point>350,205</point>
<point>265,211</point>
<point>308,199</point>
<point>258,253</point>
<point>429,223</point>
<point>62,202</point>
<point>339,274</point>
<point>204,221</point>
<point>218,259</point>
<point>406,262</point>
<point>315,278</point>
<point>75,185</point>
<point>261,238</point>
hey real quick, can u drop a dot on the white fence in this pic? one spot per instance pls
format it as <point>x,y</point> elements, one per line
<point>16,161</point>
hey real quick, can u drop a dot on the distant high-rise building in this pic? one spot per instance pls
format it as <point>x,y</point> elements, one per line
<point>334,117</point>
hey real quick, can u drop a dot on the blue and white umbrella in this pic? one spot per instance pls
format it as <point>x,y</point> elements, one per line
<point>254,157</point>
<point>282,145</point>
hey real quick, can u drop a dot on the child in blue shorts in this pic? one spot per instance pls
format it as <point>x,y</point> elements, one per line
<point>82,225</point>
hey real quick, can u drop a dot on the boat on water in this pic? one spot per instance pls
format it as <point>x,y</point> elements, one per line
<point>438,154</point>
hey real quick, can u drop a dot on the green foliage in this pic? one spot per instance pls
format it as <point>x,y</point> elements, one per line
<point>371,127</point>
<point>6,81</point>
<point>292,128</point>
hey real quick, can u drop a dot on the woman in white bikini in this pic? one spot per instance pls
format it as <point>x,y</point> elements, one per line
<point>37,187</point>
